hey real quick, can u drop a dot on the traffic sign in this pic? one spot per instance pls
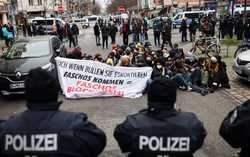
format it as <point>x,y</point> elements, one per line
<point>121,9</point>
<point>60,9</point>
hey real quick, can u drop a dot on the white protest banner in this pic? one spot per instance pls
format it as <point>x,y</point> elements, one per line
<point>86,78</point>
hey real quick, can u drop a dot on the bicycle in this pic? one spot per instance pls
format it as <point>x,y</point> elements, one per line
<point>208,46</point>
<point>241,48</point>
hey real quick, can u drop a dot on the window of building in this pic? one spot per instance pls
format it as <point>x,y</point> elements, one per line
<point>39,2</point>
<point>31,2</point>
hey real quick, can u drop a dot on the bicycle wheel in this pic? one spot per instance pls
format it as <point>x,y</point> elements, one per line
<point>212,50</point>
<point>240,49</point>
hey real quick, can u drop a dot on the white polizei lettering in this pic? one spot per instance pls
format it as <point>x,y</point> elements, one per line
<point>143,141</point>
<point>173,144</point>
<point>38,146</point>
<point>8,141</point>
<point>169,144</point>
<point>38,142</point>
<point>184,144</point>
<point>17,143</point>
<point>49,142</point>
<point>154,143</point>
<point>162,148</point>
<point>25,144</point>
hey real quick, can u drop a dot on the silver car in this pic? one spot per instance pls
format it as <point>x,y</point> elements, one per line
<point>241,65</point>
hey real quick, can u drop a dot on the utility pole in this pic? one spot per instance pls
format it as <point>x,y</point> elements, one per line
<point>45,5</point>
<point>13,12</point>
<point>245,11</point>
<point>200,4</point>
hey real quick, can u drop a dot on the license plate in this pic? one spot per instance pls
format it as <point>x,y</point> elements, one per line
<point>17,85</point>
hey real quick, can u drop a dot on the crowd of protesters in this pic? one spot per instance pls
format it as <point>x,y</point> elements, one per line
<point>190,73</point>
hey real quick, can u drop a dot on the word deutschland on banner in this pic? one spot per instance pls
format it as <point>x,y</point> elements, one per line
<point>86,78</point>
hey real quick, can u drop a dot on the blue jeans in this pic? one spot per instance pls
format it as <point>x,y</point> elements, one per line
<point>181,79</point>
<point>142,37</point>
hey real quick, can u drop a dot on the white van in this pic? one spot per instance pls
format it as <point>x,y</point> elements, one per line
<point>92,19</point>
<point>241,9</point>
<point>82,22</point>
<point>48,23</point>
<point>189,15</point>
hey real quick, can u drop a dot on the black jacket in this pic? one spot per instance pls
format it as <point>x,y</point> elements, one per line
<point>46,131</point>
<point>235,128</point>
<point>113,30</point>
<point>96,30</point>
<point>151,133</point>
<point>105,31</point>
<point>75,29</point>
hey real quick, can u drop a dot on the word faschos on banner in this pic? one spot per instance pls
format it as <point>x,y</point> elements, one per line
<point>85,78</point>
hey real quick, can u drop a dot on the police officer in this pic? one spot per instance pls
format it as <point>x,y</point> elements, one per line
<point>160,130</point>
<point>45,131</point>
<point>235,128</point>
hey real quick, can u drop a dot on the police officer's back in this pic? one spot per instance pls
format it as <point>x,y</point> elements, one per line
<point>235,128</point>
<point>45,131</point>
<point>160,130</point>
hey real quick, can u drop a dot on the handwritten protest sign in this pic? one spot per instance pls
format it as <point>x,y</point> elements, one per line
<point>86,78</point>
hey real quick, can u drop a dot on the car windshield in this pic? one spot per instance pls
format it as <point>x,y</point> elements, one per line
<point>27,49</point>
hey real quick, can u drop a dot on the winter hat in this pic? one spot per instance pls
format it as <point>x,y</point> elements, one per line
<point>162,92</point>
<point>41,86</point>
<point>213,59</point>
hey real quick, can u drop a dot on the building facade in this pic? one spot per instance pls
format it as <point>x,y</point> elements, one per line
<point>39,7</point>
<point>196,3</point>
<point>3,12</point>
<point>146,4</point>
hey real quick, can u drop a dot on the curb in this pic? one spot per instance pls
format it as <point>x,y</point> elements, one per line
<point>225,91</point>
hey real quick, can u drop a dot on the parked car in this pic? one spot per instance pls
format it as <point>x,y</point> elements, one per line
<point>241,65</point>
<point>24,55</point>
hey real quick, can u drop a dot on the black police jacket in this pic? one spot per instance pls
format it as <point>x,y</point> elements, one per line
<point>235,128</point>
<point>160,133</point>
<point>44,131</point>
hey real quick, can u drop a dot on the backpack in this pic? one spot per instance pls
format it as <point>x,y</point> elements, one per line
<point>235,127</point>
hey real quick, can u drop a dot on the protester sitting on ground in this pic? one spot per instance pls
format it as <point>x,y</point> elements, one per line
<point>44,130</point>
<point>124,61</point>
<point>160,130</point>
<point>98,57</point>
<point>159,70</point>
<point>212,68</point>
<point>190,72</point>
<point>182,75</point>
<point>76,53</point>
<point>222,76</point>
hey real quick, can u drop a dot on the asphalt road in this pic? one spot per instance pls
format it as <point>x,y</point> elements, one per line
<point>108,112</point>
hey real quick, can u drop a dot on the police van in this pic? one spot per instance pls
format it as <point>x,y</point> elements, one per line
<point>48,24</point>
<point>189,15</point>
<point>239,9</point>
